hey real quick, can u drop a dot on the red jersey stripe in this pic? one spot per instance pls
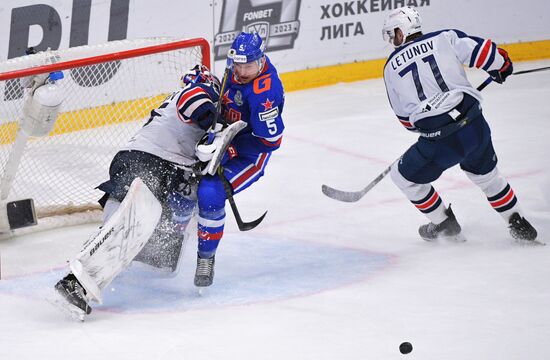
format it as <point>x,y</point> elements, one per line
<point>483,55</point>
<point>250,172</point>
<point>271,144</point>
<point>185,97</point>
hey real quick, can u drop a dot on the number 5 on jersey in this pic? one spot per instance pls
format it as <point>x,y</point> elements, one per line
<point>269,115</point>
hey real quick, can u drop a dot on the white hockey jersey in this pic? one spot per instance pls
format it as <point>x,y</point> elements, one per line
<point>173,129</point>
<point>426,77</point>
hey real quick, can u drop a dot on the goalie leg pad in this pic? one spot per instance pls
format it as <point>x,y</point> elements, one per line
<point>118,241</point>
<point>166,246</point>
<point>163,250</point>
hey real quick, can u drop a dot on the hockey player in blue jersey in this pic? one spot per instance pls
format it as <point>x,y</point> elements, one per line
<point>430,94</point>
<point>254,94</point>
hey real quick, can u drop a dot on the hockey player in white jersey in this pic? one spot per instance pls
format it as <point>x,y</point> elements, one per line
<point>161,155</point>
<point>430,94</point>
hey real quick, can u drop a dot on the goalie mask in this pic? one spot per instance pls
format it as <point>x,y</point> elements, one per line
<point>200,74</point>
<point>405,19</point>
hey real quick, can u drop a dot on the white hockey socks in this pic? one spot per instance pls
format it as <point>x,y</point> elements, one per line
<point>422,196</point>
<point>499,193</point>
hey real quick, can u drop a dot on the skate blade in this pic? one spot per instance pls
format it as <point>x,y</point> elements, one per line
<point>74,312</point>
<point>460,238</point>
<point>529,243</point>
<point>455,239</point>
<point>202,290</point>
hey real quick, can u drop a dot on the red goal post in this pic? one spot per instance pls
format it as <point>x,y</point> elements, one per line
<point>109,90</point>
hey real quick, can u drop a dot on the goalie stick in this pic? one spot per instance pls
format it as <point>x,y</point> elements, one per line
<point>212,132</point>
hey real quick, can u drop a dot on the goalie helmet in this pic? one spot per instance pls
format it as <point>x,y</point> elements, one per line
<point>200,74</point>
<point>405,19</point>
<point>246,47</point>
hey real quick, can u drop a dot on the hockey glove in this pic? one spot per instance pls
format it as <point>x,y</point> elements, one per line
<point>205,151</point>
<point>506,70</point>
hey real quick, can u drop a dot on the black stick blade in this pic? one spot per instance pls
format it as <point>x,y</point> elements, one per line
<point>245,226</point>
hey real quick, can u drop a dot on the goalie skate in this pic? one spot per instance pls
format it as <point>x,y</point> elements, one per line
<point>72,298</point>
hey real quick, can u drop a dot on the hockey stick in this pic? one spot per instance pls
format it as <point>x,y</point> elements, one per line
<point>531,70</point>
<point>490,79</point>
<point>354,196</point>
<point>211,132</point>
<point>243,226</point>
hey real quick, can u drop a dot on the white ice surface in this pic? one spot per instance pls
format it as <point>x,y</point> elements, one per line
<point>321,279</point>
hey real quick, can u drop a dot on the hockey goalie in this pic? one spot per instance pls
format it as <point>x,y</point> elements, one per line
<point>151,193</point>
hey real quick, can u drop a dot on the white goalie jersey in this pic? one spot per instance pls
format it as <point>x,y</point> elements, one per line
<point>174,128</point>
<point>426,77</point>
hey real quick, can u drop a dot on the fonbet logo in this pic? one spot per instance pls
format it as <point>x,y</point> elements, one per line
<point>278,30</point>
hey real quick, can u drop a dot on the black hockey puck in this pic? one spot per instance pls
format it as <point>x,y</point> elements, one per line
<point>405,347</point>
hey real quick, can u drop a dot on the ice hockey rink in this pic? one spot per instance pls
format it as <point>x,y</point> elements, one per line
<point>321,279</point>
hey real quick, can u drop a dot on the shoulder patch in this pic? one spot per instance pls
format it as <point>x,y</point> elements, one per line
<point>269,114</point>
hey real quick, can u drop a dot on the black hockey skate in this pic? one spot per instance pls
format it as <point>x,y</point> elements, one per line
<point>204,275</point>
<point>448,229</point>
<point>75,295</point>
<point>521,229</point>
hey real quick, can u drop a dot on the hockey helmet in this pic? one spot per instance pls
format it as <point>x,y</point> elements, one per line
<point>246,47</point>
<point>406,19</point>
<point>200,74</point>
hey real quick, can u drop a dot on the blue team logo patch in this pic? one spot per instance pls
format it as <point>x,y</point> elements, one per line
<point>273,269</point>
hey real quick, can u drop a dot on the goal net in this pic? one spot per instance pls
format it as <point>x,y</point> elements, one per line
<point>108,90</point>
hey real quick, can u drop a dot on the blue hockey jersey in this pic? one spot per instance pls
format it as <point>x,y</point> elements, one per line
<point>260,104</point>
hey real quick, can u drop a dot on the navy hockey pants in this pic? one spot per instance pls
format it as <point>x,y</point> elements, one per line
<point>471,147</point>
<point>161,176</point>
